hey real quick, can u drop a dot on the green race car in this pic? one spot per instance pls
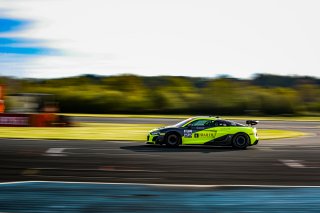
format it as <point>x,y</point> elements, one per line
<point>206,131</point>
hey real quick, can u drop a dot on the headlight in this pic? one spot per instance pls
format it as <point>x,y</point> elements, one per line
<point>155,133</point>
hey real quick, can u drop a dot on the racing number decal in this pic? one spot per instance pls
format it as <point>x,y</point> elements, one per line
<point>187,133</point>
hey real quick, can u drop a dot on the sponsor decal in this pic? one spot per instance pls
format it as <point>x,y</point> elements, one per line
<point>187,133</point>
<point>14,121</point>
<point>206,134</point>
<point>203,135</point>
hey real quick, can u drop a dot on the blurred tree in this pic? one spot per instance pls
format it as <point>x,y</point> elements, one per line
<point>265,94</point>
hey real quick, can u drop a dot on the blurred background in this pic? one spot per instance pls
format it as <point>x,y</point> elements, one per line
<point>235,57</point>
<point>115,69</point>
<point>203,38</point>
<point>262,95</point>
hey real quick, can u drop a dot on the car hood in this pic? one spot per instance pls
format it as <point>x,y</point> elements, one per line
<point>162,128</point>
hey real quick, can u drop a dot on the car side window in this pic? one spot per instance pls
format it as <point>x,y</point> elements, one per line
<point>222,123</point>
<point>201,123</point>
<point>209,123</point>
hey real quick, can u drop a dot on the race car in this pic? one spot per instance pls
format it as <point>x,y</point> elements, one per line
<point>206,130</point>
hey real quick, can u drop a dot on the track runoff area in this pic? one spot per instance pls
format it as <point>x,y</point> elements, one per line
<point>46,175</point>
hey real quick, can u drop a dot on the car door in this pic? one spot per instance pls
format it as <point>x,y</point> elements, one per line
<point>222,128</point>
<point>199,131</point>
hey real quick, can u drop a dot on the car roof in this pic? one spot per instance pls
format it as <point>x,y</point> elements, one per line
<point>206,117</point>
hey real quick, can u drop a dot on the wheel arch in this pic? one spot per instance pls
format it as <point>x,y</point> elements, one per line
<point>242,133</point>
<point>174,132</point>
<point>243,144</point>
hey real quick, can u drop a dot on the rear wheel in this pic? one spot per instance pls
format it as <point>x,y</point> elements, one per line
<point>172,140</point>
<point>240,141</point>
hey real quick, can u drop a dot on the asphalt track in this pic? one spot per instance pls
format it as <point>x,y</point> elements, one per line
<point>291,162</point>
<point>68,176</point>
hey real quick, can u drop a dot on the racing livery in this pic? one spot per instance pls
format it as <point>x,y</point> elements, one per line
<point>206,131</point>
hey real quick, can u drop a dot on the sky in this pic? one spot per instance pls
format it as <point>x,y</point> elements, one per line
<point>205,38</point>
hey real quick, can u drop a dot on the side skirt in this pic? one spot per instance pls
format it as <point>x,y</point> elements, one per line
<point>225,140</point>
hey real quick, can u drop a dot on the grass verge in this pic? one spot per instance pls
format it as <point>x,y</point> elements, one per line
<point>108,131</point>
<point>261,118</point>
<point>268,134</point>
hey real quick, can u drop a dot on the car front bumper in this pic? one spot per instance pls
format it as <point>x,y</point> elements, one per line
<point>155,139</point>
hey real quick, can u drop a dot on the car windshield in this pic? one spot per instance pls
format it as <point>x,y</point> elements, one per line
<point>180,124</point>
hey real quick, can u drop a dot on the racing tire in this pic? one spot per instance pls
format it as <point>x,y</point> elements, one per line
<point>240,141</point>
<point>172,140</point>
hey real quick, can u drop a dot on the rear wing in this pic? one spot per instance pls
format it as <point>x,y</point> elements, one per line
<point>252,122</point>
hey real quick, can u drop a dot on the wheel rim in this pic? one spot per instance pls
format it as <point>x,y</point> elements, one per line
<point>173,139</point>
<point>241,141</point>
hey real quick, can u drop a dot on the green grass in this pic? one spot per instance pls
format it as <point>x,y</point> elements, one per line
<point>268,134</point>
<point>85,131</point>
<point>261,118</point>
<point>108,131</point>
<point>126,115</point>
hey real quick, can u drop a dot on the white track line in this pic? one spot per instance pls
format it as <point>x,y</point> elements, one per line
<point>57,152</point>
<point>293,163</point>
<point>297,164</point>
<point>166,185</point>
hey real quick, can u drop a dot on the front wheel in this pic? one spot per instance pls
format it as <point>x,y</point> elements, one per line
<point>240,141</point>
<point>172,140</point>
